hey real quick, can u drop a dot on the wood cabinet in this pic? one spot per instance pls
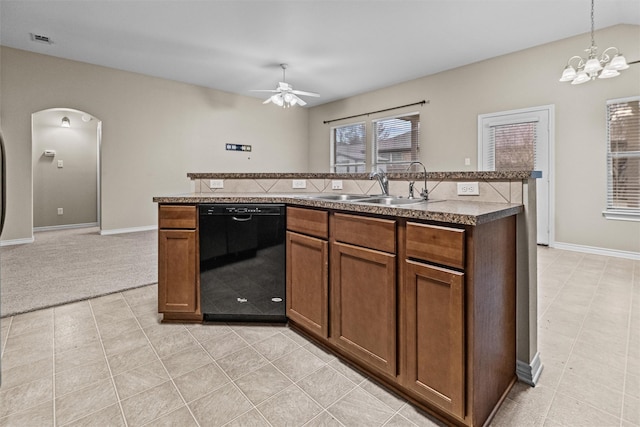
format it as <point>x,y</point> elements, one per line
<point>178,284</point>
<point>459,317</point>
<point>308,270</point>
<point>435,335</point>
<point>428,309</point>
<point>363,290</point>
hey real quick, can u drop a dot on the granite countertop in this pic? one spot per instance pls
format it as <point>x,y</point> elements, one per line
<point>450,211</point>
<point>484,175</point>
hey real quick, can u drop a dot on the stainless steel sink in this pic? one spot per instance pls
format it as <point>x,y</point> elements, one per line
<point>391,201</point>
<point>341,197</point>
<point>365,198</point>
<point>396,201</point>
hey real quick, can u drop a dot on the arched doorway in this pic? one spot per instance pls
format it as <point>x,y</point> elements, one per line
<point>65,169</point>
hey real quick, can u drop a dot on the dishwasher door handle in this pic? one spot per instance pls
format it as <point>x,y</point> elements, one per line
<point>249,218</point>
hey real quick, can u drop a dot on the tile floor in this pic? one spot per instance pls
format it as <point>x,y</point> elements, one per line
<point>107,361</point>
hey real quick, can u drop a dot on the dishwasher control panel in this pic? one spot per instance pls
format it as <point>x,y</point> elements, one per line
<point>250,209</point>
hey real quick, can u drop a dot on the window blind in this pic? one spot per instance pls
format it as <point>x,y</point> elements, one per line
<point>349,148</point>
<point>623,155</point>
<point>396,142</point>
<point>512,146</point>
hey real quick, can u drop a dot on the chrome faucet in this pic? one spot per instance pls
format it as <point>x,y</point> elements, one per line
<point>424,193</point>
<point>382,180</point>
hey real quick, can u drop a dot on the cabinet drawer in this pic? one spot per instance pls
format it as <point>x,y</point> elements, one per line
<point>177,216</point>
<point>372,233</point>
<point>308,221</point>
<point>441,245</point>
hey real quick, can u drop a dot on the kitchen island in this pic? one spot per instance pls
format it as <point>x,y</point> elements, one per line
<point>421,297</point>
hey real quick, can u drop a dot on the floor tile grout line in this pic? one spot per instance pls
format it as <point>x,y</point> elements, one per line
<point>231,380</point>
<point>163,365</point>
<point>106,359</point>
<point>555,391</point>
<point>564,283</point>
<point>6,338</point>
<point>628,344</point>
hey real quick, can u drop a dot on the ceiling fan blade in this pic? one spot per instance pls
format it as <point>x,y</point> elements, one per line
<point>264,90</point>
<point>267,101</point>
<point>301,92</point>
<point>300,101</point>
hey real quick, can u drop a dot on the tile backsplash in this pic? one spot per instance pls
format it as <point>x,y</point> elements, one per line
<point>498,191</point>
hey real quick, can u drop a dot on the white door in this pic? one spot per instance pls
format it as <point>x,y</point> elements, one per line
<point>521,140</point>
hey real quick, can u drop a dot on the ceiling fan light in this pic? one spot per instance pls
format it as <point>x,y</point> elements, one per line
<point>592,66</point>
<point>581,77</point>
<point>277,99</point>
<point>288,98</point>
<point>619,62</point>
<point>568,74</point>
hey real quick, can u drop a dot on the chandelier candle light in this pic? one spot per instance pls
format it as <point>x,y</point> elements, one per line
<point>605,66</point>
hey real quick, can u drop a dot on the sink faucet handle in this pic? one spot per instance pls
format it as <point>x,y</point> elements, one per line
<point>411,184</point>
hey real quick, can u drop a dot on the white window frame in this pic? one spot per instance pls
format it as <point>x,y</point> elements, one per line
<point>332,150</point>
<point>374,153</point>
<point>610,212</point>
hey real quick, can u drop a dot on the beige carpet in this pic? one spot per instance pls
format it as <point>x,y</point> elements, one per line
<point>69,265</point>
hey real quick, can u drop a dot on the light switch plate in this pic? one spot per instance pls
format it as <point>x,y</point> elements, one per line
<point>60,163</point>
<point>299,183</point>
<point>468,189</point>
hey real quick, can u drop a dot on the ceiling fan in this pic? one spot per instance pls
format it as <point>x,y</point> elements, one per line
<point>284,95</point>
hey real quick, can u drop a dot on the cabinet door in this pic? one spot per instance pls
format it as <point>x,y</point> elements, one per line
<point>177,284</point>
<point>307,282</point>
<point>435,335</point>
<point>363,305</point>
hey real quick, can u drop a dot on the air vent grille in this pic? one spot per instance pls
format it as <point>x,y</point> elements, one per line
<point>40,38</point>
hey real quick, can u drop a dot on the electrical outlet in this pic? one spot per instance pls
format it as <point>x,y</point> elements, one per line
<point>336,185</point>
<point>60,211</point>
<point>299,183</point>
<point>468,189</point>
<point>216,183</point>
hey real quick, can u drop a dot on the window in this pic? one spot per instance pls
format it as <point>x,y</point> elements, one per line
<point>513,146</point>
<point>348,148</point>
<point>623,159</point>
<point>396,142</point>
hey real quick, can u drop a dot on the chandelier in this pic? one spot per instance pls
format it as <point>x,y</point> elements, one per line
<point>580,70</point>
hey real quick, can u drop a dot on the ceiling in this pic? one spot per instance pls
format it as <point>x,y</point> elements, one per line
<point>335,48</point>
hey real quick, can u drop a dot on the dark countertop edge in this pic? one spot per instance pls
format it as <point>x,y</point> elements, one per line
<point>485,175</point>
<point>502,209</point>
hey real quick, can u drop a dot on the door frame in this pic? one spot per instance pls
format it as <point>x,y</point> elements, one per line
<point>545,194</point>
<point>98,140</point>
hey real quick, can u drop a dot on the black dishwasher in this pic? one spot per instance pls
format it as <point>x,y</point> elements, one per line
<point>242,262</point>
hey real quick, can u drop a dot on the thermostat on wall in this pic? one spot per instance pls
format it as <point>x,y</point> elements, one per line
<point>49,153</point>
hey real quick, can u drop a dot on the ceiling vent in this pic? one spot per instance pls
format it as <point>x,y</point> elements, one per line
<point>41,38</point>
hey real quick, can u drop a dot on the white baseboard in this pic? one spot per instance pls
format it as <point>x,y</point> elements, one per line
<point>596,251</point>
<point>16,242</point>
<point>65,227</point>
<point>529,373</point>
<point>128,230</point>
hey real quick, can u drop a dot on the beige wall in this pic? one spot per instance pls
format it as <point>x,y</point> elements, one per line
<point>523,79</point>
<point>154,132</point>
<point>72,187</point>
